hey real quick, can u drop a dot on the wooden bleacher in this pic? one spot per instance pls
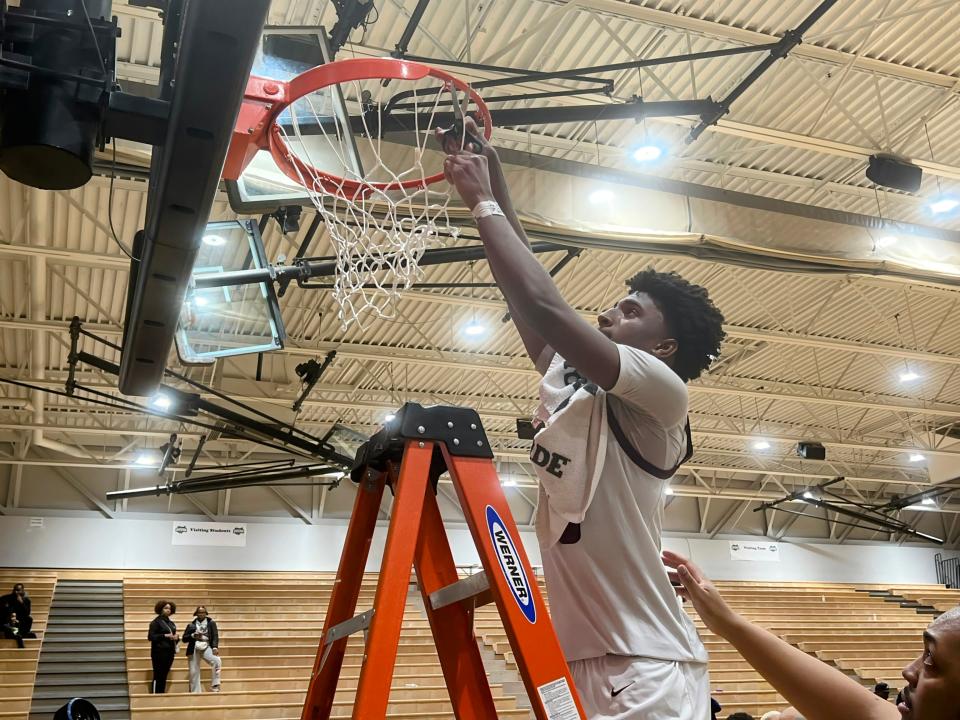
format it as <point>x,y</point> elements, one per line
<point>270,627</point>
<point>857,633</point>
<point>18,668</point>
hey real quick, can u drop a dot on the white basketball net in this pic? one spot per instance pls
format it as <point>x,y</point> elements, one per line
<point>378,236</point>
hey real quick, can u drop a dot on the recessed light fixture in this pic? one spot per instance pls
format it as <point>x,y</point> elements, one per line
<point>928,501</point>
<point>214,240</point>
<point>474,328</point>
<point>917,457</point>
<point>669,490</point>
<point>647,153</point>
<point>944,204</point>
<point>508,482</point>
<point>146,458</point>
<point>807,494</point>
<point>601,196</point>
<point>908,376</point>
<point>761,445</point>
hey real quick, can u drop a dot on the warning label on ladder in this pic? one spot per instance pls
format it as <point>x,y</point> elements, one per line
<point>558,700</point>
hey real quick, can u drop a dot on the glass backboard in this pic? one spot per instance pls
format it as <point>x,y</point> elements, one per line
<point>233,319</point>
<point>284,53</point>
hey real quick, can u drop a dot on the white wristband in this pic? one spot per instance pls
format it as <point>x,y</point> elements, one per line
<point>486,209</point>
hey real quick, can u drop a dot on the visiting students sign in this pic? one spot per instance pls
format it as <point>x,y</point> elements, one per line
<point>209,533</point>
<point>754,551</point>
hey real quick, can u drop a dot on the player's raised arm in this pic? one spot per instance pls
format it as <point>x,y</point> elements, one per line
<point>529,290</point>
<point>538,350</point>
<point>803,680</point>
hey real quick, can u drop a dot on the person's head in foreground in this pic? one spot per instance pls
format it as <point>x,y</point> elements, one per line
<point>933,679</point>
<point>165,608</point>
<point>668,317</point>
<point>740,716</point>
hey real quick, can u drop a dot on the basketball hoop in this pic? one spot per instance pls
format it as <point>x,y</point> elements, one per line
<point>381,218</point>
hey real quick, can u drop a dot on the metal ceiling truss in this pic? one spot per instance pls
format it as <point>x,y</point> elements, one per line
<point>862,515</point>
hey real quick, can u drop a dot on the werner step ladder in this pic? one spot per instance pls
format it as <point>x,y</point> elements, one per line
<point>409,454</point>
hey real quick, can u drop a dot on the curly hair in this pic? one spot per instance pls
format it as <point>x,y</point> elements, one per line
<point>691,317</point>
<point>158,608</point>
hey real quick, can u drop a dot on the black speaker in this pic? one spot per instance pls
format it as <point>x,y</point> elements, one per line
<point>525,430</point>
<point>893,172</point>
<point>811,451</point>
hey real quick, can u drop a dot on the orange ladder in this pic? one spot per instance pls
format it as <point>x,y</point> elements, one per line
<point>409,454</point>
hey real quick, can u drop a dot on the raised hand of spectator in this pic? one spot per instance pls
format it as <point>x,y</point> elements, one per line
<point>693,585</point>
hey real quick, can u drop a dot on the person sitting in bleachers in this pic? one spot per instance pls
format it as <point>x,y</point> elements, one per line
<point>11,629</point>
<point>18,602</point>
<point>203,642</point>
<point>740,716</point>
<point>932,693</point>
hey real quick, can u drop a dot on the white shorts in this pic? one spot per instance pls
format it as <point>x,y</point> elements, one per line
<point>614,687</point>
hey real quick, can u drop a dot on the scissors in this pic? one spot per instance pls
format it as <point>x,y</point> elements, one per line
<point>465,139</point>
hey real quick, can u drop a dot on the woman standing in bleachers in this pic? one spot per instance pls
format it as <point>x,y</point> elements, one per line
<point>163,643</point>
<point>203,643</point>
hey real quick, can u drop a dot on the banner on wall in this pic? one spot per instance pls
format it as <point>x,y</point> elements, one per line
<point>209,533</point>
<point>754,551</point>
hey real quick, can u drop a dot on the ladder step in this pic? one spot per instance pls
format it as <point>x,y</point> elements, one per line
<point>349,627</point>
<point>475,586</point>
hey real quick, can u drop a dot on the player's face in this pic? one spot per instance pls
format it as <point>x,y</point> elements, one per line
<point>933,692</point>
<point>637,321</point>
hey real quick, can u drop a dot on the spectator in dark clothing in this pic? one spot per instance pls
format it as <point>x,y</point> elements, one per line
<point>740,716</point>
<point>11,629</point>
<point>882,690</point>
<point>163,643</point>
<point>714,708</point>
<point>19,602</point>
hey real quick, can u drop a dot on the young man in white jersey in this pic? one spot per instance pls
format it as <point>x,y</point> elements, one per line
<point>633,652</point>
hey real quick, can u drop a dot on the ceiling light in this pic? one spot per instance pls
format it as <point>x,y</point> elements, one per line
<point>669,490</point>
<point>389,417</point>
<point>339,475</point>
<point>928,501</point>
<point>908,376</point>
<point>214,240</point>
<point>943,205</point>
<point>161,401</point>
<point>808,495</point>
<point>474,329</point>
<point>508,482</point>
<point>146,458</point>
<point>927,507</point>
<point>647,153</point>
<point>200,301</point>
<point>916,457</point>
<point>599,197</point>
<point>761,445</point>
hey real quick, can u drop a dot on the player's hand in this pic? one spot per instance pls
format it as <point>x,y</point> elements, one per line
<point>216,651</point>
<point>693,585</point>
<point>453,143</point>
<point>469,174</point>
